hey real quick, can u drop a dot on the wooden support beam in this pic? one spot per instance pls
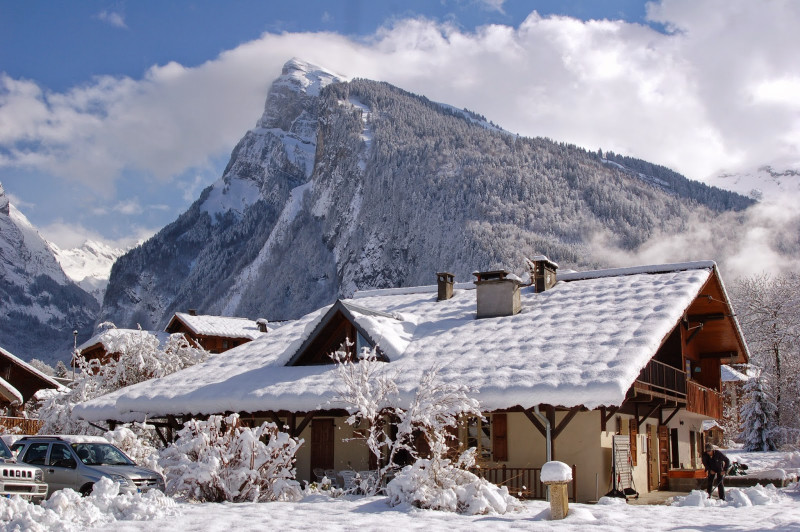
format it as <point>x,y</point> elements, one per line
<point>702,318</point>
<point>303,424</point>
<point>161,436</point>
<point>605,416</point>
<point>696,329</point>
<point>672,415</point>
<point>291,421</point>
<point>564,422</point>
<point>647,415</point>
<point>275,419</point>
<point>536,423</point>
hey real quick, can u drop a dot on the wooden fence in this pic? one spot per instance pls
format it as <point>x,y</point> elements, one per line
<point>523,482</point>
<point>19,425</point>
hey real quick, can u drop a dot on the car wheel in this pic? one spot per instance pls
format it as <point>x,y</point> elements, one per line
<point>86,489</point>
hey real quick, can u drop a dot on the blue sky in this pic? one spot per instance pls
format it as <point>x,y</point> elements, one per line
<point>115,115</point>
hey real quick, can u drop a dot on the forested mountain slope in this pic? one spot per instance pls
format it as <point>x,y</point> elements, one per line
<point>359,184</point>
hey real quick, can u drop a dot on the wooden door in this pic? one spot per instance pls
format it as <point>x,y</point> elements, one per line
<point>322,444</point>
<point>663,457</point>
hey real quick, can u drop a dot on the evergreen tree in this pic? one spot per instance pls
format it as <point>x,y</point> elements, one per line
<point>758,418</point>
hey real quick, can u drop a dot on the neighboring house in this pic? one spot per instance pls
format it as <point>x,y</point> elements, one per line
<point>216,334</point>
<point>102,346</point>
<point>19,381</point>
<point>733,381</point>
<point>592,366</point>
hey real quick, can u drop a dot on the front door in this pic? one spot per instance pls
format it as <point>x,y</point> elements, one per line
<point>663,456</point>
<point>321,444</point>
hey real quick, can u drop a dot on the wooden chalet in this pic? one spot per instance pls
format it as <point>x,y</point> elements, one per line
<point>612,371</point>
<point>215,334</point>
<point>19,382</point>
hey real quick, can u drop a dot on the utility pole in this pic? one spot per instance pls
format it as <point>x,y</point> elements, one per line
<point>74,352</point>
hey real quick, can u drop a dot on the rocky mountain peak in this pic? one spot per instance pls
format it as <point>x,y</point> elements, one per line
<point>4,209</point>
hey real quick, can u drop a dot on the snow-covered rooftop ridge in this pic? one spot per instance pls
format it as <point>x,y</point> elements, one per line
<point>108,337</point>
<point>228,327</point>
<point>408,290</point>
<point>635,270</point>
<point>30,368</point>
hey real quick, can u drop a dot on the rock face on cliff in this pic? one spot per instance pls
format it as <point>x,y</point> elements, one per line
<point>41,306</point>
<point>346,185</point>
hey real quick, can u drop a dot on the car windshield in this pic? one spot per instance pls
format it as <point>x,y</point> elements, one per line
<point>5,452</point>
<point>100,454</point>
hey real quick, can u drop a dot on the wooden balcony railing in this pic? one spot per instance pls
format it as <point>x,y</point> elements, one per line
<point>522,482</point>
<point>663,379</point>
<point>705,401</point>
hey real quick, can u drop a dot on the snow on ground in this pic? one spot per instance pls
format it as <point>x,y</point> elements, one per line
<point>319,512</point>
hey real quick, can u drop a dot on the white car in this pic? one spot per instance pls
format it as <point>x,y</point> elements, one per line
<point>20,479</point>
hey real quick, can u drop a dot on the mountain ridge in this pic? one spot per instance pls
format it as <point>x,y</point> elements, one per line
<point>359,184</point>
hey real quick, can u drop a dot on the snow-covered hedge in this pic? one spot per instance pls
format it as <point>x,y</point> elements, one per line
<point>220,460</point>
<point>67,510</point>
<point>138,448</point>
<point>438,484</point>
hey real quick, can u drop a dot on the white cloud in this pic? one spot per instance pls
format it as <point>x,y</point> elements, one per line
<point>69,235</point>
<point>113,18</point>
<point>492,5</point>
<point>715,93</point>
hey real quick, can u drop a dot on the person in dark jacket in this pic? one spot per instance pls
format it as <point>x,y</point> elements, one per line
<point>716,465</point>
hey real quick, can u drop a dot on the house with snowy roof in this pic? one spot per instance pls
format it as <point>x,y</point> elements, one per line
<point>733,383</point>
<point>106,343</point>
<point>566,367</point>
<point>19,381</point>
<point>216,334</point>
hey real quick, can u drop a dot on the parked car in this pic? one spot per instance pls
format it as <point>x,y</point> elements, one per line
<point>20,479</point>
<point>78,462</point>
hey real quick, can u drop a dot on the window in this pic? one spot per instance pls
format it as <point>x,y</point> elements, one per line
<point>479,435</point>
<point>36,454</point>
<point>61,456</point>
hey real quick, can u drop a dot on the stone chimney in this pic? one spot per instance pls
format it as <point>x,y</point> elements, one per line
<point>192,312</point>
<point>262,324</point>
<point>543,272</point>
<point>497,294</point>
<point>445,282</point>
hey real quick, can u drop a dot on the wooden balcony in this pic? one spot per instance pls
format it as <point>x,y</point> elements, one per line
<point>705,401</point>
<point>662,380</point>
<point>19,425</point>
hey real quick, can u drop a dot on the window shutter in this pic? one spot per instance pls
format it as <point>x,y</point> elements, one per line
<point>500,437</point>
<point>634,430</point>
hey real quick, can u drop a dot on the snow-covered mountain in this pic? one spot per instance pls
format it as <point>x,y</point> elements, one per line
<point>355,184</point>
<point>89,265</point>
<point>41,305</point>
<point>771,183</point>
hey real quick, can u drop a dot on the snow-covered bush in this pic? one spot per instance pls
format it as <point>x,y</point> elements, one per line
<point>138,447</point>
<point>370,395</point>
<point>438,484</point>
<point>138,357</point>
<point>67,510</point>
<point>220,460</point>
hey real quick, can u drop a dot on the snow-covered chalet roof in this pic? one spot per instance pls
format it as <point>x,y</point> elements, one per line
<point>9,393</point>
<point>226,327</point>
<point>582,342</point>
<point>729,374</point>
<point>27,367</point>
